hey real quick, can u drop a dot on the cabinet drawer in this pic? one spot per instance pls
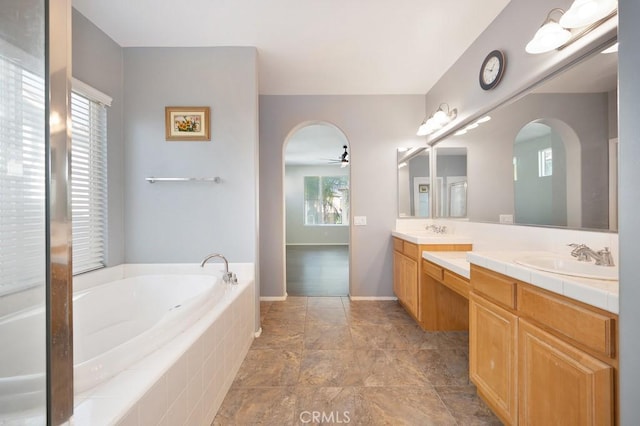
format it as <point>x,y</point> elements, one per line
<point>496,287</point>
<point>432,269</point>
<point>397,244</point>
<point>589,328</point>
<point>411,250</point>
<point>457,284</point>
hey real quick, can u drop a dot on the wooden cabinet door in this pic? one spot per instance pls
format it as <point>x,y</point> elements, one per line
<point>559,384</point>
<point>398,286</point>
<point>493,334</point>
<point>410,278</point>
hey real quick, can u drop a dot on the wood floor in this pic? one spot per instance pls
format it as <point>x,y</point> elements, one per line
<point>318,270</point>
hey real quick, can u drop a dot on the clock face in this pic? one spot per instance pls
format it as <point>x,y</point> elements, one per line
<point>492,70</point>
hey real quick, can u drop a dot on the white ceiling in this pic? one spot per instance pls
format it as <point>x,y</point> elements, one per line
<point>312,47</point>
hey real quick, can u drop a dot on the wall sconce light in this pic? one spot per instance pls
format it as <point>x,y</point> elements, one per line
<point>437,120</point>
<point>550,35</point>
<point>472,126</point>
<point>583,14</point>
<point>587,12</point>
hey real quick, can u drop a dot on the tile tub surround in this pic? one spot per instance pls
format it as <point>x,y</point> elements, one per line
<point>186,381</point>
<point>362,362</point>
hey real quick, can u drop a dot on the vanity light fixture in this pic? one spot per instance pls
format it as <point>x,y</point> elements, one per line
<point>472,126</point>
<point>582,17</point>
<point>437,120</point>
<point>550,35</point>
<point>586,12</point>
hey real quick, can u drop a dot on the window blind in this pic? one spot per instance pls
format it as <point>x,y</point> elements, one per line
<point>88,181</point>
<point>22,178</point>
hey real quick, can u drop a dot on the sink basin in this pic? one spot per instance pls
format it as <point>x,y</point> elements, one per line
<point>570,267</point>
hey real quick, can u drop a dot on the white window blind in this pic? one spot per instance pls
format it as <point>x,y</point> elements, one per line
<point>22,178</point>
<point>88,181</point>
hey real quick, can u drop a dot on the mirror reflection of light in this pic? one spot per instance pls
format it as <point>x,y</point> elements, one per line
<point>611,49</point>
<point>484,119</point>
<point>401,165</point>
<point>472,126</point>
<point>460,132</point>
<point>403,149</point>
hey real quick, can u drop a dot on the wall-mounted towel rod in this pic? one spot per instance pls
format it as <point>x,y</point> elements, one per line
<point>183,179</point>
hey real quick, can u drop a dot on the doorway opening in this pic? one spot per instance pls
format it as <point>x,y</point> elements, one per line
<point>317,211</point>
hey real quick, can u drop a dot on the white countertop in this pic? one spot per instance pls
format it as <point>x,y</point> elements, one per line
<point>455,261</point>
<point>599,293</point>
<point>428,237</point>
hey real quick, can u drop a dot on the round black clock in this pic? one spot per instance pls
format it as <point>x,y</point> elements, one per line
<point>492,69</point>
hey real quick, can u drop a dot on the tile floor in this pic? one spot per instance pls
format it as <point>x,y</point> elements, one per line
<point>329,360</point>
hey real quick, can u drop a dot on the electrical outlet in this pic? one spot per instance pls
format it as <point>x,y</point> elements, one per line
<point>506,218</point>
<point>359,220</point>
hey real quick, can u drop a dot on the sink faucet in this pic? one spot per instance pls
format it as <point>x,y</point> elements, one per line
<point>438,229</point>
<point>584,253</point>
<point>227,277</point>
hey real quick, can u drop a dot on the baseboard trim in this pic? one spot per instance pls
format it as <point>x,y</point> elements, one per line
<point>317,244</point>
<point>273,298</point>
<point>356,298</point>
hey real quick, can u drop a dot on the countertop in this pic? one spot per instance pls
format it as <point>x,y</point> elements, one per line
<point>599,293</point>
<point>428,237</point>
<point>455,261</point>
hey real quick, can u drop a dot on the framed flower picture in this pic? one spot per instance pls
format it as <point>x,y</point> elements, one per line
<point>187,123</point>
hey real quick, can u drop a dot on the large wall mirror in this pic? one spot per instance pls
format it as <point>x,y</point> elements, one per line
<point>548,158</point>
<point>415,193</point>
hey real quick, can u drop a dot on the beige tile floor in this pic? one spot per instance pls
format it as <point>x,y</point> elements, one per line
<point>329,360</point>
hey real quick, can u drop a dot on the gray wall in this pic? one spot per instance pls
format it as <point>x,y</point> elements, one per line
<point>375,127</point>
<point>184,221</point>
<point>297,232</point>
<point>629,205</point>
<point>509,32</point>
<point>98,61</point>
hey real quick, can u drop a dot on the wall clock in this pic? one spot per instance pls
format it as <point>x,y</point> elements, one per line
<point>492,69</point>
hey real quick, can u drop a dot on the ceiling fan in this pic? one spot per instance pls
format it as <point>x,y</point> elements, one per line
<point>343,159</point>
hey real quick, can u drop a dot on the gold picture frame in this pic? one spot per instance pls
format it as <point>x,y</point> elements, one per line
<point>187,123</point>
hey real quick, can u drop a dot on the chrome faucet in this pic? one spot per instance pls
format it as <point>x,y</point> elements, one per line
<point>438,229</point>
<point>584,254</point>
<point>227,277</point>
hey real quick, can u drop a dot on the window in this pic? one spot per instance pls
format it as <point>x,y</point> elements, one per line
<point>545,162</point>
<point>22,177</point>
<point>88,177</point>
<point>326,200</point>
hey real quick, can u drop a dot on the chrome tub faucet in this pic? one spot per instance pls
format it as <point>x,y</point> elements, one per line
<point>584,254</point>
<point>227,277</point>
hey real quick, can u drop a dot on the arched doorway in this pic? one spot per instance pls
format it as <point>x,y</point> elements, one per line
<point>317,214</point>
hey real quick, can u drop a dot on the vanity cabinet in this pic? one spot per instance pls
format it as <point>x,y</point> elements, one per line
<point>407,270</point>
<point>405,282</point>
<point>493,337</point>
<point>443,299</point>
<point>537,357</point>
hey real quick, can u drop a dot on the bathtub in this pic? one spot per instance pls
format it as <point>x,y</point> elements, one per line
<point>171,334</point>
<point>118,323</point>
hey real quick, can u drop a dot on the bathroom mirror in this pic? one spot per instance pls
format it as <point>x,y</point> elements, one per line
<point>451,181</point>
<point>415,194</point>
<point>548,158</point>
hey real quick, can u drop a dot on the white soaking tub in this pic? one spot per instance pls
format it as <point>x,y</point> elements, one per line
<point>176,331</point>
